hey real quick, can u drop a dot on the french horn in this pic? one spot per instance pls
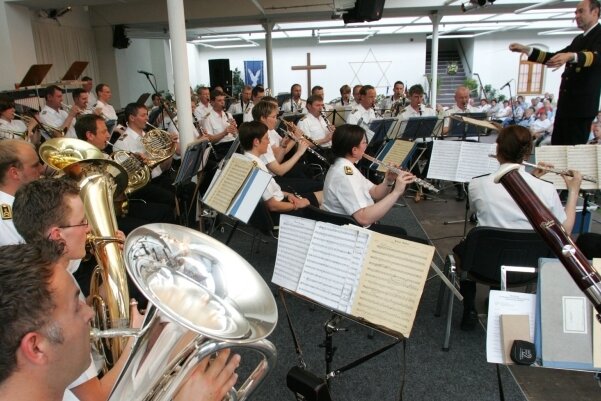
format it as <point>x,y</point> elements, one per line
<point>99,180</point>
<point>203,297</point>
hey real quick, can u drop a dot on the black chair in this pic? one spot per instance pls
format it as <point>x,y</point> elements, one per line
<point>317,214</point>
<point>485,250</point>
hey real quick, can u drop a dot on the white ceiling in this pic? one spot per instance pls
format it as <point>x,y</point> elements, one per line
<point>304,18</point>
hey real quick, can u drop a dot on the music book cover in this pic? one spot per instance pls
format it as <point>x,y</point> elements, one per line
<point>584,158</point>
<point>461,161</point>
<point>237,189</point>
<point>359,272</point>
<point>564,320</point>
<point>398,152</point>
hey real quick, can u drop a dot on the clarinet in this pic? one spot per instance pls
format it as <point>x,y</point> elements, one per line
<point>309,149</point>
<point>201,131</point>
<point>553,234</point>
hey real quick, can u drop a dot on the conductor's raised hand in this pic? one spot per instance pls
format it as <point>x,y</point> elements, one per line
<point>212,379</point>
<point>518,48</point>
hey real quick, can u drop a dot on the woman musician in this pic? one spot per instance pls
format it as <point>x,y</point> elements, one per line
<point>347,191</point>
<point>494,207</point>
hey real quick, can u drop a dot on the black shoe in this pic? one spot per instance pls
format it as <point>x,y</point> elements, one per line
<point>469,320</point>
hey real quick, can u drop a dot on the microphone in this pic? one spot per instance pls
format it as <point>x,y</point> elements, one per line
<point>150,73</point>
<point>507,84</point>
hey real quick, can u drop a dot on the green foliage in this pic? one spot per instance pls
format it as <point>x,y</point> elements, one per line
<point>237,83</point>
<point>493,93</point>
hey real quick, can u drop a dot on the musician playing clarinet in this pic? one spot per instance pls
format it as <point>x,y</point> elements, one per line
<point>347,191</point>
<point>494,207</point>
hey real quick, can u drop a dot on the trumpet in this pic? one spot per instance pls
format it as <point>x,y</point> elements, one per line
<point>567,173</point>
<point>309,149</point>
<point>397,170</point>
<point>68,108</point>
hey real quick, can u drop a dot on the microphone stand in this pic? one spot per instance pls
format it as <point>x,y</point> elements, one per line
<point>512,103</point>
<point>155,90</point>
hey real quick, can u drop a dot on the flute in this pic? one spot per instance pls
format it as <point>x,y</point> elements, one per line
<point>313,151</point>
<point>397,170</point>
<point>567,173</point>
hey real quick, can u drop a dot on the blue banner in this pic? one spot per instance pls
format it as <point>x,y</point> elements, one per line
<point>253,73</point>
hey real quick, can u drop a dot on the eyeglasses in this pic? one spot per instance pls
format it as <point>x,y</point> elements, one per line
<point>85,223</point>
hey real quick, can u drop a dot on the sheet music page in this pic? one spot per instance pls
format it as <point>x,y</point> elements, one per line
<point>330,270</point>
<point>444,160</point>
<point>506,303</point>
<point>584,159</point>
<point>556,155</point>
<point>293,245</point>
<point>474,160</point>
<point>397,153</point>
<point>229,183</point>
<point>392,282</point>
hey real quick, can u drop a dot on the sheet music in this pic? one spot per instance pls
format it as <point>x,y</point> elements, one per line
<point>330,269</point>
<point>474,160</point>
<point>557,156</point>
<point>506,303</point>
<point>584,159</point>
<point>444,160</point>
<point>392,282</point>
<point>397,153</point>
<point>229,183</point>
<point>293,245</point>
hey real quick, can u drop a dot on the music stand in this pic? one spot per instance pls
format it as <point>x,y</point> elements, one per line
<point>418,127</point>
<point>143,98</point>
<point>192,164</point>
<point>34,77</point>
<point>380,128</point>
<point>465,125</point>
<point>75,71</point>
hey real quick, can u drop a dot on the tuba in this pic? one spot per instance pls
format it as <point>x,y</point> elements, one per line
<point>99,181</point>
<point>203,298</point>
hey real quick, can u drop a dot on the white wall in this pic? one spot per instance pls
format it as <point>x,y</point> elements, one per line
<point>400,58</point>
<point>16,44</point>
<point>497,65</point>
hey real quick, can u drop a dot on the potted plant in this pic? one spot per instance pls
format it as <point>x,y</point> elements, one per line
<point>452,68</point>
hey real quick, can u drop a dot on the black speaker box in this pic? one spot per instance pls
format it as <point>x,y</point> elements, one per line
<point>220,74</point>
<point>120,39</point>
<point>365,10</point>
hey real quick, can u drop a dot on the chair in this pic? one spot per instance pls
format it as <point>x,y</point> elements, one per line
<point>485,250</point>
<point>315,213</point>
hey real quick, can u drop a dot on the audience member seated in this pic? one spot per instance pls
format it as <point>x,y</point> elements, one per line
<point>541,128</point>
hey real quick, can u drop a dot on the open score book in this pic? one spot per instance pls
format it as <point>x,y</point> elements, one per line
<point>372,276</point>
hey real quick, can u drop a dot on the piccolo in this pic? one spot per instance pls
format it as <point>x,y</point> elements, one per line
<point>397,170</point>
<point>310,150</point>
<point>567,173</point>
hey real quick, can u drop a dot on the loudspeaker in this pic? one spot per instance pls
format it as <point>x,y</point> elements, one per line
<point>365,10</point>
<point>220,74</point>
<point>120,39</point>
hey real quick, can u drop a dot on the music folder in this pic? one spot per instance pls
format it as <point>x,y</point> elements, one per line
<point>398,152</point>
<point>75,71</point>
<point>374,277</point>
<point>236,190</point>
<point>469,124</point>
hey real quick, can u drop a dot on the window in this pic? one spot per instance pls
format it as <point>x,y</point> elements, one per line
<point>530,78</point>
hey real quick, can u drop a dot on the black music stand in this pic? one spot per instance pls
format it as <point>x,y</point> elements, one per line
<point>143,98</point>
<point>34,77</point>
<point>380,128</point>
<point>75,71</point>
<point>418,127</point>
<point>192,165</point>
<point>462,129</point>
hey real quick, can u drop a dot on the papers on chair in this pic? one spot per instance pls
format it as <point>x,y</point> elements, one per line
<point>237,189</point>
<point>506,303</point>
<point>356,271</point>
<point>584,158</point>
<point>461,161</point>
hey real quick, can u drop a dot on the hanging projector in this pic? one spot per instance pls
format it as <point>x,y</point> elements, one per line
<point>473,4</point>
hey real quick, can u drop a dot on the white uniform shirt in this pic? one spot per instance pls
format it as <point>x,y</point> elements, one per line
<point>215,124</point>
<point>290,106</point>
<point>131,141</point>
<point>496,208</point>
<point>8,232</point>
<point>240,107</point>
<point>314,127</point>
<point>456,110</point>
<point>360,113</point>
<point>410,112</point>
<point>14,125</point>
<point>345,189</point>
<point>201,111</point>
<point>273,190</point>
<point>274,140</point>
<point>55,119</point>
<point>248,114</point>
<point>92,100</point>
<point>107,110</point>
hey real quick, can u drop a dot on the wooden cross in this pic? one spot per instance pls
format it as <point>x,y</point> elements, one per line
<point>309,67</point>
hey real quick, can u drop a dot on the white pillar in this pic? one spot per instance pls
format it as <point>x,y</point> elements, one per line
<point>435,18</point>
<point>269,55</point>
<point>179,58</point>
